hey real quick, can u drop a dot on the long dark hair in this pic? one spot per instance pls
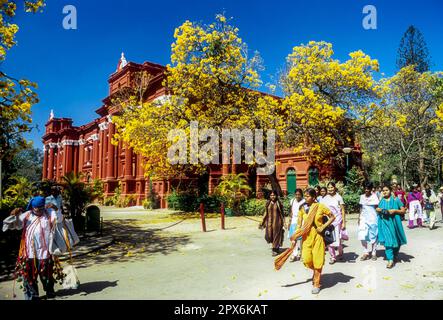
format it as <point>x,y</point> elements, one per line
<point>311,192</point>
<point>275,193</point>
<point>277,200</point>
<point>299,191</point>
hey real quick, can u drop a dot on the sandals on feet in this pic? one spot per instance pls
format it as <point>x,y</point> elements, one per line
<point>315,290</point>
<point>364,257</point>
<point>390,264</point>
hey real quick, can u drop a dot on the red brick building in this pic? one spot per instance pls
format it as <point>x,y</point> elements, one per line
<point>88,149</point>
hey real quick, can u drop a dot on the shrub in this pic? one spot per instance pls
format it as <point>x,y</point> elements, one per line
<point>98,191</point>
<point>233,188</point>
<point>189,202</point>
<point>117,193</point>
<point>353,189</point>
<point>286,201</point>
<point>17,195</point>
<point>126,201</point>
<point>253,207</point>
<point>121,201</point>
<point>109,201</point>
<point>182,201</point>
<point>212,203</point>
<point>352,201</point>
<point>147,204</point>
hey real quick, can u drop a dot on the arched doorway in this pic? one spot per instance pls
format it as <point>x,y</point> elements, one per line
<point>291,181</point>
<point>313,177</point>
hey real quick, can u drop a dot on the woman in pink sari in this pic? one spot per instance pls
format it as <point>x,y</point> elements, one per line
<point>334,202</point>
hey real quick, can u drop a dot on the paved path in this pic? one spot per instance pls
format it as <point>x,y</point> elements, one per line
<point>175,260</point>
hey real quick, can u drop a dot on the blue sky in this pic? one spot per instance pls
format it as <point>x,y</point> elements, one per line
<point>72,66</point>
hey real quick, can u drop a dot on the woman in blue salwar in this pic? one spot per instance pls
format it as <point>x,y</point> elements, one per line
<point>390,229</point>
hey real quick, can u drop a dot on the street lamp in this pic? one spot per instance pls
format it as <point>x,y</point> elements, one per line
<point>347,151</point>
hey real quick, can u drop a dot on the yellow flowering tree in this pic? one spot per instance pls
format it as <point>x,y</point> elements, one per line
<point>16,95</point>
<point>328,103</point>
<point>210,80</point>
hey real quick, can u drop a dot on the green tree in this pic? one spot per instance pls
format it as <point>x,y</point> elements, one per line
<point>413,51</point>
<point>28,163</point>
<point>16,95</point>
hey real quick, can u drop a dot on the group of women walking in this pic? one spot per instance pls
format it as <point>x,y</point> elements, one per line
<point>314,212</point>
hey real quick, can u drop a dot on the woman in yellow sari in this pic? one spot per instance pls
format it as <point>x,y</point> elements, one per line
<point>313,244</point>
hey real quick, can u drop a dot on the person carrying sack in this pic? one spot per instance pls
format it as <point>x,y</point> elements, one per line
<point>313,243</point>
<point>34,259</point>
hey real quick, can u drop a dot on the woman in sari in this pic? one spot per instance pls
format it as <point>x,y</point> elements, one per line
<point>390,229</point>
<point>273,221</point>
<point>335,203</point>
<point>415,204</point>
<point>313,246</point>
<point>367,223</point>
<point>323,193</point>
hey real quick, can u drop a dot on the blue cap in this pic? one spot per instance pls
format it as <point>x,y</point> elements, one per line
<point>38,202</point>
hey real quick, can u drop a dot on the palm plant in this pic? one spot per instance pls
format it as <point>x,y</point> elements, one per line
<point>233,188</point>
<point>76,195</point>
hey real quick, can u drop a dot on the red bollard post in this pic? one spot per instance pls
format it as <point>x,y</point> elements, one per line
<point>222,209</point>
<point>202,215</point>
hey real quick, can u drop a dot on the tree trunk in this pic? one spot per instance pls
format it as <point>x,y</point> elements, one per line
<point>421,165</point>
<point>275,184</point>
<point>404,166</point>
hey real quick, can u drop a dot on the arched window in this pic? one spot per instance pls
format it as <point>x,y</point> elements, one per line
<point>313,177</point>
<point>291,181</point>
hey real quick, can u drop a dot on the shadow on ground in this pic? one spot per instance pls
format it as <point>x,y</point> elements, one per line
<point>132,242</point>
<point>327,280</point>
<point>331,279</point>
<point>9,245</point>
<point>349,257</point>
<point>403,257</point>
<point>297,283</point>
<point>87,288</point>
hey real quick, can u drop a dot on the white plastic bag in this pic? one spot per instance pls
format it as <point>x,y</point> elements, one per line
<point>70,232</point>
<point>71,280</point>
<point>63,238</point>
<point>10,223</point>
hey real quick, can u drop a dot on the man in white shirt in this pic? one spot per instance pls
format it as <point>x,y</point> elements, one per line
<point>296,204</point>
<point>34,257</point>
